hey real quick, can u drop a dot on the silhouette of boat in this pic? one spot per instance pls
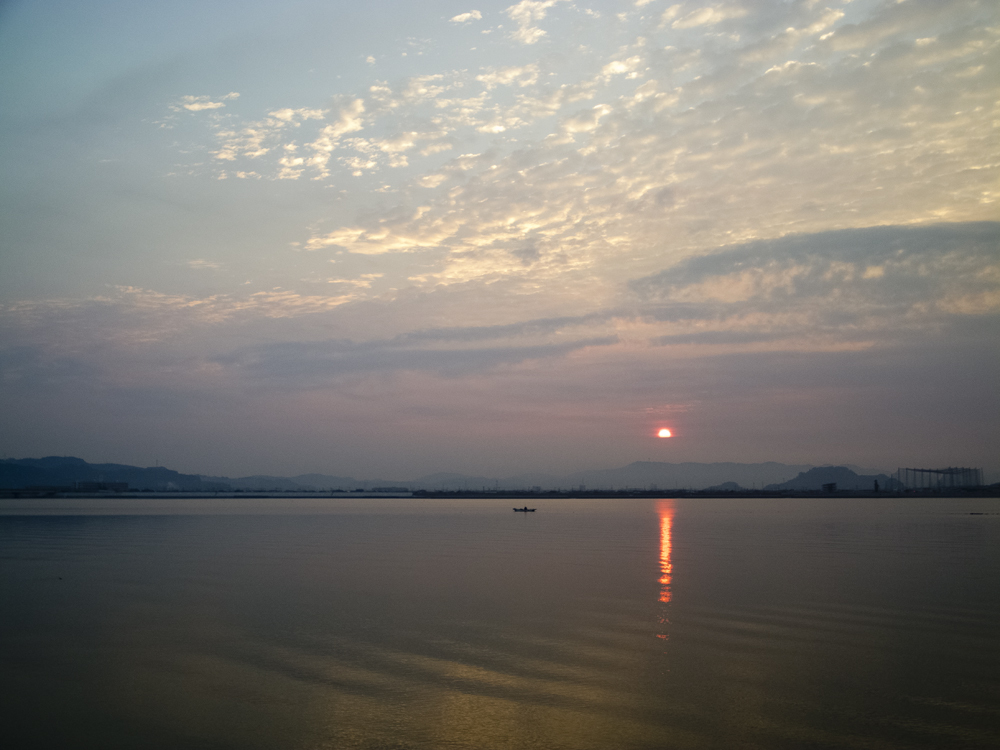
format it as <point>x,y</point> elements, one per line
<point>525,509</point>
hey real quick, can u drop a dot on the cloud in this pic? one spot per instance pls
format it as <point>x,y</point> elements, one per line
<point>362,282</point>
<point>672,199</point>
<point>860,285</point>
<point>544,102</point>
<point>526,13</point>
<point>832,291</point>
<point>377,241</point>
<point>800,146</point>
<point>29,367</point>
<point>197,104</point>
<point>257,138</point>
<point>900,20</point>
<point>841,325</point>
<point>391,151</point>
<point>707,16</point>
<point>349,120</point>
<point>522,75</point>
<point>201,103</point>
<point>584,121</point>
<point>412,92</point>
<point>777,322</point>
<point>202,264</point>
<point>764,133</point>
<point>472,15</point>
<point>620,67</point>
<point>315,363</point>
<point>130,315</point>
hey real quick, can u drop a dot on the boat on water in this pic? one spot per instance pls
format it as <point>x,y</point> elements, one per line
<point>525,509</point>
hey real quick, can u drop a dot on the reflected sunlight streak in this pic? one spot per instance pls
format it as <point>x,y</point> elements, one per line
<point>665,509</point>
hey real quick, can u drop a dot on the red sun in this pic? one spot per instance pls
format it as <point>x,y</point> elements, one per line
<point>664,432</point>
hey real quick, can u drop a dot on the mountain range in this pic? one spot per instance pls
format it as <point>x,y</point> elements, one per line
<point>66,471</point>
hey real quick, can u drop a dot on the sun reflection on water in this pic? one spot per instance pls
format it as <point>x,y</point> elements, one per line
<point>665,509</point>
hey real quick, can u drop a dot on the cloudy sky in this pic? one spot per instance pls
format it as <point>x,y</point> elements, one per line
<point>391,238</point>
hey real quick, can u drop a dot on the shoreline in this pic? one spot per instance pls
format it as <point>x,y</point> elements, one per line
<point>954,492</point>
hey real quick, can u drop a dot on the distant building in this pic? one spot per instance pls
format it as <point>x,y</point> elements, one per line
<point>830,487</point>
<point>390,489</point>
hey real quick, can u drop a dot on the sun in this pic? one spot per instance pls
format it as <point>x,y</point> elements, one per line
<point>664,432</point>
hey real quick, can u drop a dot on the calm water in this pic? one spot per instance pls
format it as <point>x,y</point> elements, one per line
<point>336,623</point>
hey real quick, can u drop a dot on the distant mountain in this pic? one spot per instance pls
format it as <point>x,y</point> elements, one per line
<point>725,487</point>
<point>844,478</point>
<point>864,470</point>
<point>451,481</point>
<point>326,482</point>
<point>64,471</point>
<point>264,483</point>
<point>642,474</point>
<point>695,476</point>
<point>301,483</point>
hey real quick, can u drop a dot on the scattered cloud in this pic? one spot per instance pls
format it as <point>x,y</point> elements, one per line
<point>847,285</point>
<point>622,67</point>
<point>350,120</point>
<point>689,182</point>
<point>840,287</point>
<point>202,264</point>
<point>525,14</point>
<point>472,15</point>
<point>200,103</point>
<point>257,138</point>
<point>708,16</point>
<point>319,363</point>
<point>521,75</point>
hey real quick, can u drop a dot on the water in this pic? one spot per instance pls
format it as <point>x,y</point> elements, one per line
<point>369,624</point>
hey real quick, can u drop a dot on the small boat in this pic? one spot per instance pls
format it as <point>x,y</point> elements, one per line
<point>525,509</point>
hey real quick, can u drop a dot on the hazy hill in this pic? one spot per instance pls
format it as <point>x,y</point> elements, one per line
<point>641,474</point>
<point>301,483</point>
<point>451,481</point>
<point>327,482</point>
<point>696,476</point>
<point>844,478</point>
<point>725,487</point>
<point>261,482</point>
<point>63,471</point>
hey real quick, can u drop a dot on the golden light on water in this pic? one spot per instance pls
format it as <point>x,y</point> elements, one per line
<point>664,432</point>
<point>665,509</point>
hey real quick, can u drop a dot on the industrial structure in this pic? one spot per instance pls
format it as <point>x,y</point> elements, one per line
<point>938,479</point>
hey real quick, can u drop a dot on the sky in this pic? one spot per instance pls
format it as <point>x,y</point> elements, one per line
<point>386,239</point>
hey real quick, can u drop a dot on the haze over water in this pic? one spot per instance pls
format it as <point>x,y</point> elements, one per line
<point>350,623</point>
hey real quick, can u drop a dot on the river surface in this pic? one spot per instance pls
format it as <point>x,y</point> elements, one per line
<point>376,624</point>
